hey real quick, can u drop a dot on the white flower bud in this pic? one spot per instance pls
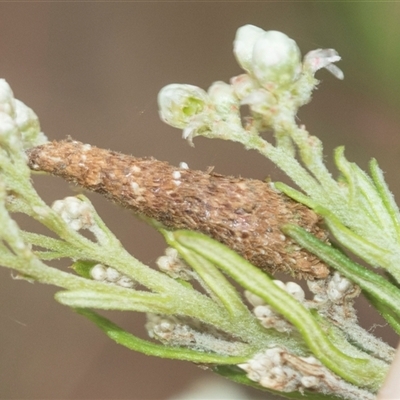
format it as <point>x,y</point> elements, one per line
<point>253,299</point>
<point>7,127</point>
<point>264,312</point>
<point>98,272</point>
<point>276,60</point>
<point>76,213</point>
<point>112,274</point>
<point>6,98</point>
<point>28,124</point>
<point>246,37</point>
<point>295,290</point>
<point>260,101</point>
<point>223,98</point>
<point>178,104</point>
<point>280,284</point>
<point>26,131</point>
<point>243,85</point>
<point>125,282</point>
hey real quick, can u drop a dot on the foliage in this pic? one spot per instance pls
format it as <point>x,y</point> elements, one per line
<point>282,342</point>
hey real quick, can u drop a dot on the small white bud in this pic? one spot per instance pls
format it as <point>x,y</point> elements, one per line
<point>179,103</point>
<point>6,98</point>
<point>99,272</point>
<point>253,299</point>
<point>263,311</point>
<point>125,282</point>
<point>276,60</point>
<point>76,213</point>
<point>28,124</point>
<point>8,127</point>
<point>171,252</point>
<point>112,274</point>
<point>223,98</point>
<point>279,284</point>
<point>164,263</point>
<point>295,290</point>
<point>246,37</point>
<point>260,101</point>
<point>243,85</point>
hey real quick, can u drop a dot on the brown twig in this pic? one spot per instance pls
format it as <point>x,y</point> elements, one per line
<point>244,214</point>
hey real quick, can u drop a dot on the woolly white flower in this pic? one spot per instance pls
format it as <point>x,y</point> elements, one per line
<point>253,299</point>
<point>260,101</point>
<point>270,56</point>
<point>246,36</point>
<point>243,85</point>
<point>6,98</point>
<point>28,124</point>
<point>276,60</point>
<point>7,127</point>
<point>24,119</point>
<point>295,290</point>
<point>100,272</point>
<point>173,265</point>
<point>76,213</point>
<point>178,104</point>
<point>223,99</point>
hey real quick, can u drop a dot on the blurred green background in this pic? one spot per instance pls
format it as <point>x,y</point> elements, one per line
<point>93,71</point>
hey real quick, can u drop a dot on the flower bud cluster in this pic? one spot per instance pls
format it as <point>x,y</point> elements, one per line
<point>173,265</point>
<point>76,213</point>
<point>277,369</point>
<point>335,289</point>
<point>214,113</point>
<point>265,313</point>
<point>102,273</point>
<point>276,83</point>
<point>18,123</point>
<point>334,297</point>
<point>175,331</point>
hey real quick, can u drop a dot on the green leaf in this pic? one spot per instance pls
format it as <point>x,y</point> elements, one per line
<point>385,195</point>
<point>135,301</point>
<point>213,280</point>
<point>132,342</point>
<point>386,294</point>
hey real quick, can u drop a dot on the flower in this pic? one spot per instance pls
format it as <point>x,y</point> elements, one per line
<point>179,103</point>
<point>243,85</point>
<point>25,120</point>
<point>223,98</point>
<point>246,37</point>
<point>76,213</point>
<point>276,60</point>
<point>323,58</point>
<point>261,101</point>
<point>270,56</point>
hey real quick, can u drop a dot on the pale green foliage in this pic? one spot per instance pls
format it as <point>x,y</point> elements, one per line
<point>287,343</point>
